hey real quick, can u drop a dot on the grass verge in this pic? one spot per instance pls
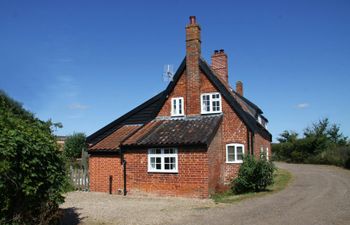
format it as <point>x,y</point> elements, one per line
<point>282,178</point>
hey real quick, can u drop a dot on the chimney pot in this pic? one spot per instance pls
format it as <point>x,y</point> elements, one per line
<point>222,51</point>
<point>216,51</point>
<point>239,88</point>
<point>192,20</point>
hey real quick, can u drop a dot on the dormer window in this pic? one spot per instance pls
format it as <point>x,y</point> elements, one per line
<point>177,106</point>
<point>210,103</point>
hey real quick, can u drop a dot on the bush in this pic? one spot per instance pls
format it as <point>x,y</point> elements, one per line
<point>74,145</point>
<point>32,170</point>
<point>254,175</point>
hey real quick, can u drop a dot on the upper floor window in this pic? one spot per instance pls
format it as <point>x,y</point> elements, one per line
<point>210,103</point>
<point>162,160</point>
<point>234,153</point>
<point>177,106</point>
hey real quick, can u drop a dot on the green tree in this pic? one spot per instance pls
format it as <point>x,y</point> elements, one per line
<point>335,136</point>
<point>323,143</point>
<point>32,170</point>
<point>287,136</point>
<point>74,145</point>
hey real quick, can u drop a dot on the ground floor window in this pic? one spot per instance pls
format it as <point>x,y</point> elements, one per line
<point>264,152</point>
<point>162,160</point>
<point>234,153</point>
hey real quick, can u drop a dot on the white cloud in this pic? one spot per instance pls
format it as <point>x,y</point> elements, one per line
<point>78,106</point>
<point>303,105</point>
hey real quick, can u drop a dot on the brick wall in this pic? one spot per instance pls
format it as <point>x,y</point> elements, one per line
<point>261,142</point>
<point>215,159</point>
<point>190,181</point>
<point>100,168</point>
<point>233,129</point>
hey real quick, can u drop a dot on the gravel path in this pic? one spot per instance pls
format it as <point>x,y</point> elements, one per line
<point>317,195</point>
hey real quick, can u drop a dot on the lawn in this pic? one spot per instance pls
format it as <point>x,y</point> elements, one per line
<point>281,180</point>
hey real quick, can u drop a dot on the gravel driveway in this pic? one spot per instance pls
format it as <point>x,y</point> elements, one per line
<point>317,195</point>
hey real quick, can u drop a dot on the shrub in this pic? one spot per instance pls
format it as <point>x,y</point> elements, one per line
<point>32,172</point>
<point>254,175</point>
<point>74,145</point>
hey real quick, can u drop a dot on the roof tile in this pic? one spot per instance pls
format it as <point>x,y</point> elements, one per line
<point>184,131</point>
<point>112,141</point>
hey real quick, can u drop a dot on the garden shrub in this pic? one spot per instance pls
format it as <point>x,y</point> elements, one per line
<point>254,175</point>
<point>32,170</point>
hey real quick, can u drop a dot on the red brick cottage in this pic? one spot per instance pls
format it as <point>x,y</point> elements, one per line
<point>186,141</point>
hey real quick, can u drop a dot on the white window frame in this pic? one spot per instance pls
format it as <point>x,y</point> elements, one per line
<point>235,145</point>
<point>267,153</point>
<point>177,100</point>
<point>162,155</point>
<point>211,103</point>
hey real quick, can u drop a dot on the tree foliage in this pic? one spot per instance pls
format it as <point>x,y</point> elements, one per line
<point>32,171</point>
<point>74,145</point>
<point>322,143</point>
<point>254,175</point>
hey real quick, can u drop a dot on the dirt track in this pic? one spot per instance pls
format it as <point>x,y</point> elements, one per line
<point>317,195</point>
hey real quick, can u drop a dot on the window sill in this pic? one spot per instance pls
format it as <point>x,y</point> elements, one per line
<point>180,115</point>
<point>235,162</point>
<point>211,112</point>
<point>163,171</point>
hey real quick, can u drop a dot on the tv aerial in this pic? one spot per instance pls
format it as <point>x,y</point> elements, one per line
<point>168,73</point>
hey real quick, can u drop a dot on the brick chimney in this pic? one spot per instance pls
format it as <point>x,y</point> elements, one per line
<point>193,53</point>
<point>239,87</point>
<point>219,64</point>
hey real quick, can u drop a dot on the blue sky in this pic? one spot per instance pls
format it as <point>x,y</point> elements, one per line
<point>85,63</point>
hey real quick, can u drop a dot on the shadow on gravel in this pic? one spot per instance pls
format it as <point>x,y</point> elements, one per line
<point>70,216</point>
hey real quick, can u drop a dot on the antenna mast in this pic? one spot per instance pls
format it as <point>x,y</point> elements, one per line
<point>168,73</point>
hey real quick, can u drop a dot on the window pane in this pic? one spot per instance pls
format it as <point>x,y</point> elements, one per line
<point>230,153</point>
<point>166,160</point>
<point>239,153</point>
<point>158,163</point>
<point>206,103</point>
<point>180,106</point>
<point>153,163</point>
<point>158,151</point>
<point>215,96</point>
<point>174,106</point>
<point>216,106</point>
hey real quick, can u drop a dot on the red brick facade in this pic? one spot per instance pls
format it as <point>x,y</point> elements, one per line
<point>101,168</point>
<point>201,170</point>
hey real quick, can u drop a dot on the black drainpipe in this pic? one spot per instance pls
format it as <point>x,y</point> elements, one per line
<point>248,141</point>
<point>110,184</point>
<point>124,171</point>
<point>123,162</point>
<point>252,144</point>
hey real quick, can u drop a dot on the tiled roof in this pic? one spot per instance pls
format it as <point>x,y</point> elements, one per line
<point>113,141</point>
<point>186,131</point>
<point>147,111</point>
<point>139,115</point>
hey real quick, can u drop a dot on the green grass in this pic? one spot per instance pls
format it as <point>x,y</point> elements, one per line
<point>282,178</point>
